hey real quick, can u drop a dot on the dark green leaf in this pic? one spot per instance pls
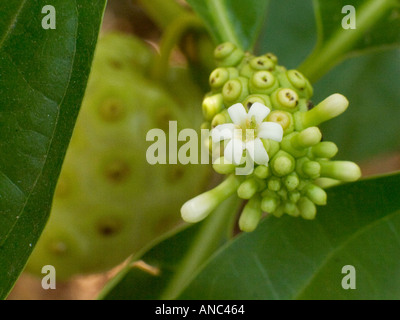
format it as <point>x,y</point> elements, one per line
<point>43,74</point>
<point>288,258</point>
<point>289,31</point>
<point>370,125</point>
<point>178,249</point>
<point>370,82</point>
<point>236,21</point>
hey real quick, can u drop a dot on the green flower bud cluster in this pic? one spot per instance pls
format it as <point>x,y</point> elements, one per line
<point>301,163</point>
<point>109,201</point>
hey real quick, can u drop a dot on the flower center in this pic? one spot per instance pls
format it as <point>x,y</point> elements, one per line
<point>248,130</point>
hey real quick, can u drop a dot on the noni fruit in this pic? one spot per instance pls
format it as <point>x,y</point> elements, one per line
<point>110,202</point>
<point>265,136</point>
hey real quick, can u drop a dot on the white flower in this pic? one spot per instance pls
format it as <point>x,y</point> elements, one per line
<point>246,132</point>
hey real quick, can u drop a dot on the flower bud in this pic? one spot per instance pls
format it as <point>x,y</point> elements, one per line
<point>316,194</point>
<point>269,204</point>
<point>221,118</point>
<point>235,90</point>
<point>220,76</point>
<point>228,55</point>
<point>251,215</point>
<point>291,209</point>
<point>295,80</point>
<point>247,189</point>
<point>202,205</point>
<point>291,181</point>
<point>312,169</point>
<point>340,170</point>
<point>223,166</point>
<point>307,208</point>
<point>274,184</point>
<point>262,172</point>
<point>328,109</point>
<point>282,164</point>
<point>212,105</point>
<point>325,149</point>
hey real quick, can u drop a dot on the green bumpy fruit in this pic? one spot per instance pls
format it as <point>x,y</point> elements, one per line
<point>109,202</point>
<point>299,165</point>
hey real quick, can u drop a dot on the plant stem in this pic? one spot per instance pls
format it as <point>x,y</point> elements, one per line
<point>206,242</point>
<point>222,22</point>
<point>171,36</point>
<point>326,56</point>
<point>162,12</point>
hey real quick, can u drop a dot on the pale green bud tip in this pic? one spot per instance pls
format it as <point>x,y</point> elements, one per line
<point>329,108</point>
<point>223,166</point>
<point>292,182</point>
<point>341,170</point>
<point>309,137</point>
<point>334,105</point>
<point>212,105</point>
<point>282,164</point>
<point>247,189</point>
<point>269,204</point>
<point>325,149</point>
<point>317,195</point>
<point>312,169</point>
<point>261,172</point>
<point>251,216</point>
<point>307,208</point>
<point>198,208</point>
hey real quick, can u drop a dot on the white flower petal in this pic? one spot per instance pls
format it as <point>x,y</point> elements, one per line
<point>237,113</point>
<point>270,130</point>
<point>222,132</point>
<point>233,151</point>
<point>259,111</point>
<point>257,152</point>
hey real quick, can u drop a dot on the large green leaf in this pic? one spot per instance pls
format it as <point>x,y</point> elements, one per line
<point>288,258</point>
<point>174,258</point>
<point>289,31</point>
<point>369,81</point>
<point>377,26</point>
<point>370,126</point>
<point>236,21</point>
<point>43,75</point>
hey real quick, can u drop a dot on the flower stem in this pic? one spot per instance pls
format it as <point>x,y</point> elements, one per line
<point>326,55</point>
<point>162,12</point>
<point>204,245</point>
<point>170,39</point>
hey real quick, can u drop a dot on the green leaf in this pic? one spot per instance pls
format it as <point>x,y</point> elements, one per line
<point>289,258</point>
<point>370,125</point>
<point>289,31</point>
<point>377,26</point>
<point>369,81</point>
<point>173,259</point>
<point>43,75</point>
<point>236,21</point>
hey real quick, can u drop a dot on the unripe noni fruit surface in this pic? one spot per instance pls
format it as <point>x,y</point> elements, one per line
<point>109,202</point>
